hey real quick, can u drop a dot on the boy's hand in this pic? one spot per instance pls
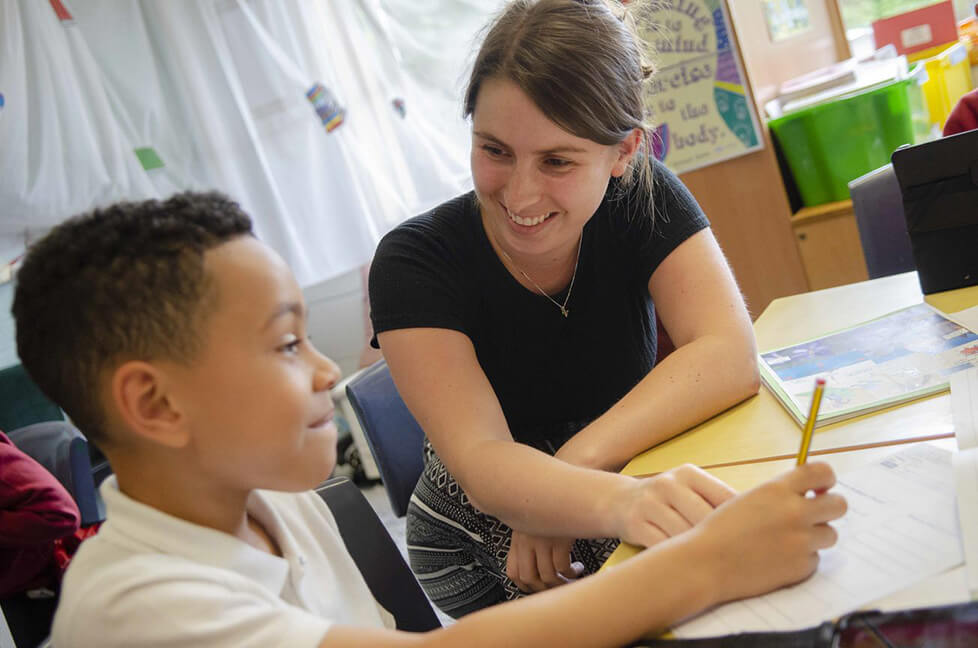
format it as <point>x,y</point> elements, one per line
<point>536,563</point>
<point>769,536</point>
<point>663,506</point>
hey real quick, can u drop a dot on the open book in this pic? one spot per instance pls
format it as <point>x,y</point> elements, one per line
<point>907,354</point>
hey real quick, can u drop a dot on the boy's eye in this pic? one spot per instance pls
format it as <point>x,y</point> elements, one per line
<point>290,344</point>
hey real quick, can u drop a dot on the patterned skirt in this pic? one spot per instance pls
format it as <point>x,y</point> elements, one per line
<point>459,553</point>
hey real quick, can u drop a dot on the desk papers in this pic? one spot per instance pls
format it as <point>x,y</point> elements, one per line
<point>964,411</point>
<point>901,527</point>
<point>967,317</point>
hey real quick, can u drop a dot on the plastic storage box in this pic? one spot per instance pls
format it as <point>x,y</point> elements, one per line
<point>830,143</point>
<point>949,78</point>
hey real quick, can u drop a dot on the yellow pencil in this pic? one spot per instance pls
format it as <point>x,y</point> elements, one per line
<point>806,435</point>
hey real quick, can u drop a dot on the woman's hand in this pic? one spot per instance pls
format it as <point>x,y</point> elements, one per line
<point>663,506</point>
<point>536,563</point>
<point>769,536</point>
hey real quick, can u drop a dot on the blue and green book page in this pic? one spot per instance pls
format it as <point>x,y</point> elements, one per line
<point>896,358</point>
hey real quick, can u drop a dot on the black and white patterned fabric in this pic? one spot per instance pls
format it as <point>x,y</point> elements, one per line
<point>458,553</point>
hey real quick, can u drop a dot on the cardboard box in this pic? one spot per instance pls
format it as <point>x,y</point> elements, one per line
<point>918,30</point>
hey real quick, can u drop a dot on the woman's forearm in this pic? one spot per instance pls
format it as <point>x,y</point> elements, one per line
<point>695,382</point>
<point>441,381</point>
<point>538,494</point>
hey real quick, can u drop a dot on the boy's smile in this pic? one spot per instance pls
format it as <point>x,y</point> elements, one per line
<point>256,397</point>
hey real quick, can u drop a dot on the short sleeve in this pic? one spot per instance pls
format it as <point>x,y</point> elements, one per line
<point>676,217</point>
<point>178,609</point>
<point>418,274</point>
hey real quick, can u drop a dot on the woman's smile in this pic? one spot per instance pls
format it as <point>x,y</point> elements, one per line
<point>528,220</point>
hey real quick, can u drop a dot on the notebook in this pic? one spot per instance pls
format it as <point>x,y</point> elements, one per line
<point>905,355</point>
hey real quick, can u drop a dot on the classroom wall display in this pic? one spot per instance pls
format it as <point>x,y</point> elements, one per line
<point>697,99</point>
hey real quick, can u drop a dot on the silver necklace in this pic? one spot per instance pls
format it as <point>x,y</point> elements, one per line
<point>563,307</point>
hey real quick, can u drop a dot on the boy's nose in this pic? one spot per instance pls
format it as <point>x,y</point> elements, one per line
<point>327,374</point>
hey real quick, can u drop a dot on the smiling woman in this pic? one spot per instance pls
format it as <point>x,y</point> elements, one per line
<point>519,321</point>
<point>537,185</point>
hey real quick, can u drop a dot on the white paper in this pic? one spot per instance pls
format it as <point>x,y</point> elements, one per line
<point>967,317</point>
<point>964,412</point>
<point>964,407</point>
<point>901,528</point>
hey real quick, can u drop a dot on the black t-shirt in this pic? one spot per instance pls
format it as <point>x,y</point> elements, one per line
<point>438,270</point>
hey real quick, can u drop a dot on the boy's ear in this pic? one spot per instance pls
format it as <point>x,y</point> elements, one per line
<point>627,149</point>
<point>143,401</point>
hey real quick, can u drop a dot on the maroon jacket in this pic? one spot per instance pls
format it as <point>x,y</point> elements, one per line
<point>35,510</point>
<point>964,116</point>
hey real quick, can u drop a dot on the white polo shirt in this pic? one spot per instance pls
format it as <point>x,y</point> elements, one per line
<point>151,579</point>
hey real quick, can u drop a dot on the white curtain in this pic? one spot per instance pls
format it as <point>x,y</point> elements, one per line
<point>437,42</point>
<point>133,99</point>
<point>61,148</point>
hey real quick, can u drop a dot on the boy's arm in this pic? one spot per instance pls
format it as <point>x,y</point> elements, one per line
<point>764,539</point>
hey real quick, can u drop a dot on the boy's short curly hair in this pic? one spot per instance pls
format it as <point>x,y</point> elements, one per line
<point>125,282</point>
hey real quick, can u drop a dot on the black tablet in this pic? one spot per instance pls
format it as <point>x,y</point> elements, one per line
<point>939,184</point>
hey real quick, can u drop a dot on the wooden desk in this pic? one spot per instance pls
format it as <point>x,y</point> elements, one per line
<point>759,429</point>
<point>757,439</point>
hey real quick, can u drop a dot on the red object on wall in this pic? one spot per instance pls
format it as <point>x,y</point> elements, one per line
<point>60,10</point>
<point>918,30</point>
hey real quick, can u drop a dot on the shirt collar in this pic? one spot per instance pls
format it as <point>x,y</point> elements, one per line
<point>159,532</point>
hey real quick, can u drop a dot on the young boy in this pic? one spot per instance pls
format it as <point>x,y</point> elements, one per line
<point>177,342</point>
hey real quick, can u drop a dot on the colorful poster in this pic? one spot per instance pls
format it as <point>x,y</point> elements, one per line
<point>697,98</point>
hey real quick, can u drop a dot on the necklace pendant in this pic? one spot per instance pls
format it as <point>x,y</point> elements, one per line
<point>564,311</point>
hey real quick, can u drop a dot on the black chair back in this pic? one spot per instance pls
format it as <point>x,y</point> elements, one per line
<point>878,206</point>
<point>23,402</point>
<point>389,578</point>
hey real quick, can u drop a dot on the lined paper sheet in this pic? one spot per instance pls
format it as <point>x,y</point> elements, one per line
<point>964,411</point>
<point>901,527</point>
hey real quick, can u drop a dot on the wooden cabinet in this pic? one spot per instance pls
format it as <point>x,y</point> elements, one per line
<point>828,241</point>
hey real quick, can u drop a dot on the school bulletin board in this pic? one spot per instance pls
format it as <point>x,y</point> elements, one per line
<point>697,98</point>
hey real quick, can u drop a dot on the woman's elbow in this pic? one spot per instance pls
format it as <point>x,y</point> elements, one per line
<point>753,379</point>
<point>749,382</point>
<point>744,376</point>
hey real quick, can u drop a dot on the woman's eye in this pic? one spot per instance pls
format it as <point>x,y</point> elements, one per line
<point>493,151</point>
<point>557,163</point>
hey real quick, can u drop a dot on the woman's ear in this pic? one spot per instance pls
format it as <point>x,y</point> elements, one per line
<point>142,400</point>
<point>627,149</point>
